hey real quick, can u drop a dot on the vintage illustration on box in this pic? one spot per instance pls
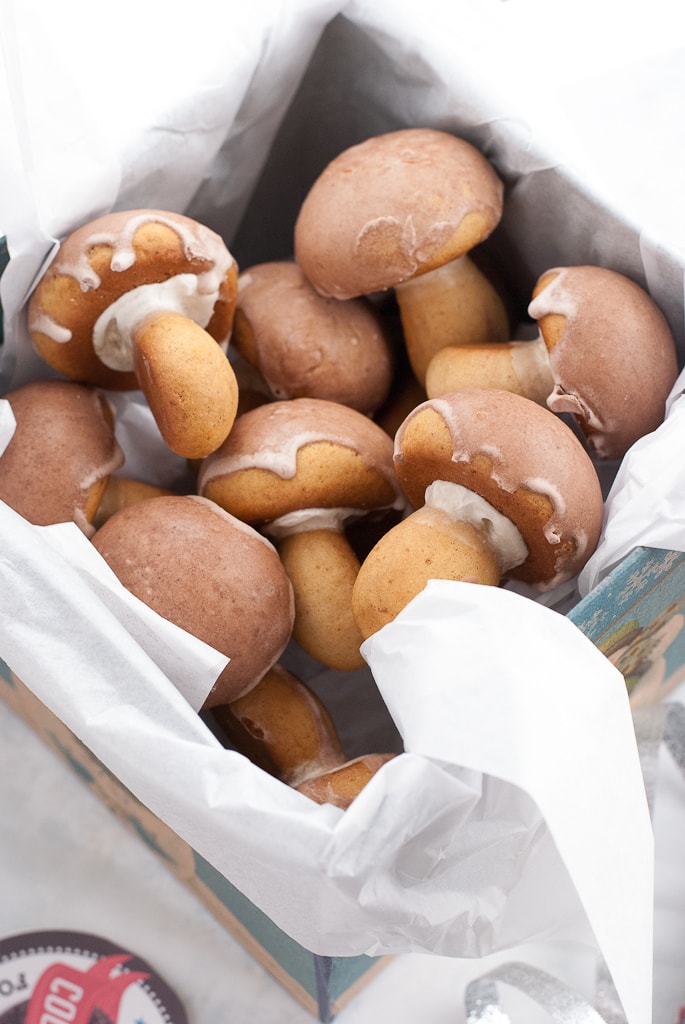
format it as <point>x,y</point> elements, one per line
<point>637,618</point>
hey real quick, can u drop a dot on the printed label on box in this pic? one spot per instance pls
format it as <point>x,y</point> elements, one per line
<point>64,976</point>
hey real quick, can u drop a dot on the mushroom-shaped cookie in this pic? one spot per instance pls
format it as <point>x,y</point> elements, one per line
<point>340,786</point>
<point>605,354</point>
<point>145,299</point>
<point>57,464</point>
<point>403,210</point>
<point>501,489</point>
<point>283,726</point>
<point>308,346</point>
<point>210,574</point>
<point>300,470</point>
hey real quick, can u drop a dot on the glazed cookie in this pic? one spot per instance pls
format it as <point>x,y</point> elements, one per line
<point>501,489</point>
<point>299,470</point>
<point>59,460</point>
<point>403,210</point>
<point>611,351</point>
<point>145,299</point>
<point>283,727</point>
<point>308,346</point>
<point>208,573</point>
<point>605,355</point>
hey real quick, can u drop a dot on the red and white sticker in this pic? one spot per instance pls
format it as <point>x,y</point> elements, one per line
<point>66,977</point>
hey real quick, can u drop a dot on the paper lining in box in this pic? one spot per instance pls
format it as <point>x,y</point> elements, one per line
<point>426,876</point>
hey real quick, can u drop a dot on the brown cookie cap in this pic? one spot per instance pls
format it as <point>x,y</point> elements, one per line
<point>340,786</point>
<point>283,726</point>
<point>300,454</point>
<point>611,353</point>
<point>393,207</point>
<point>59,460</point>
<point>308,346</point>
<point>519,457</point>
<point>109,258</point>
<point>208,573</point>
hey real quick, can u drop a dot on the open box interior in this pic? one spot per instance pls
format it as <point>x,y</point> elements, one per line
<point>353,87</point>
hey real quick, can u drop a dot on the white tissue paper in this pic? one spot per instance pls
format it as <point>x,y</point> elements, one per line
<point>518,810</point>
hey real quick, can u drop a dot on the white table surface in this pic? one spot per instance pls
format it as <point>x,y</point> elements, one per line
<point>66,862</point>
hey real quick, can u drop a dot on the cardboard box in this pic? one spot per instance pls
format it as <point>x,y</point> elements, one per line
<point>321,984</point>
<point>350,90</point>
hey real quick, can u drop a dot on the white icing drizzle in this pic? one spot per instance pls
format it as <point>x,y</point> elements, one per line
<point>492,451</point>
<point>552,528</point>
<point>82,522</point>
<point>443,277</point>
<point>198,241</point>
<point>270,438</point>
<point>307,519</point>
<point>112,331</point>
<point>464,447</point>
<point>438,234</point>
<point>380,224</point>
<point>539,486</point>
<point>237,523</point>
<point>280,458</point>
<point>554,298</point>
<point>44,324</point>
<point>105,469</point>
<point>412,249</point>
<point>583,395</point>
<point>408,238</point>
<point>466,440</point>
<point>464,505</point>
